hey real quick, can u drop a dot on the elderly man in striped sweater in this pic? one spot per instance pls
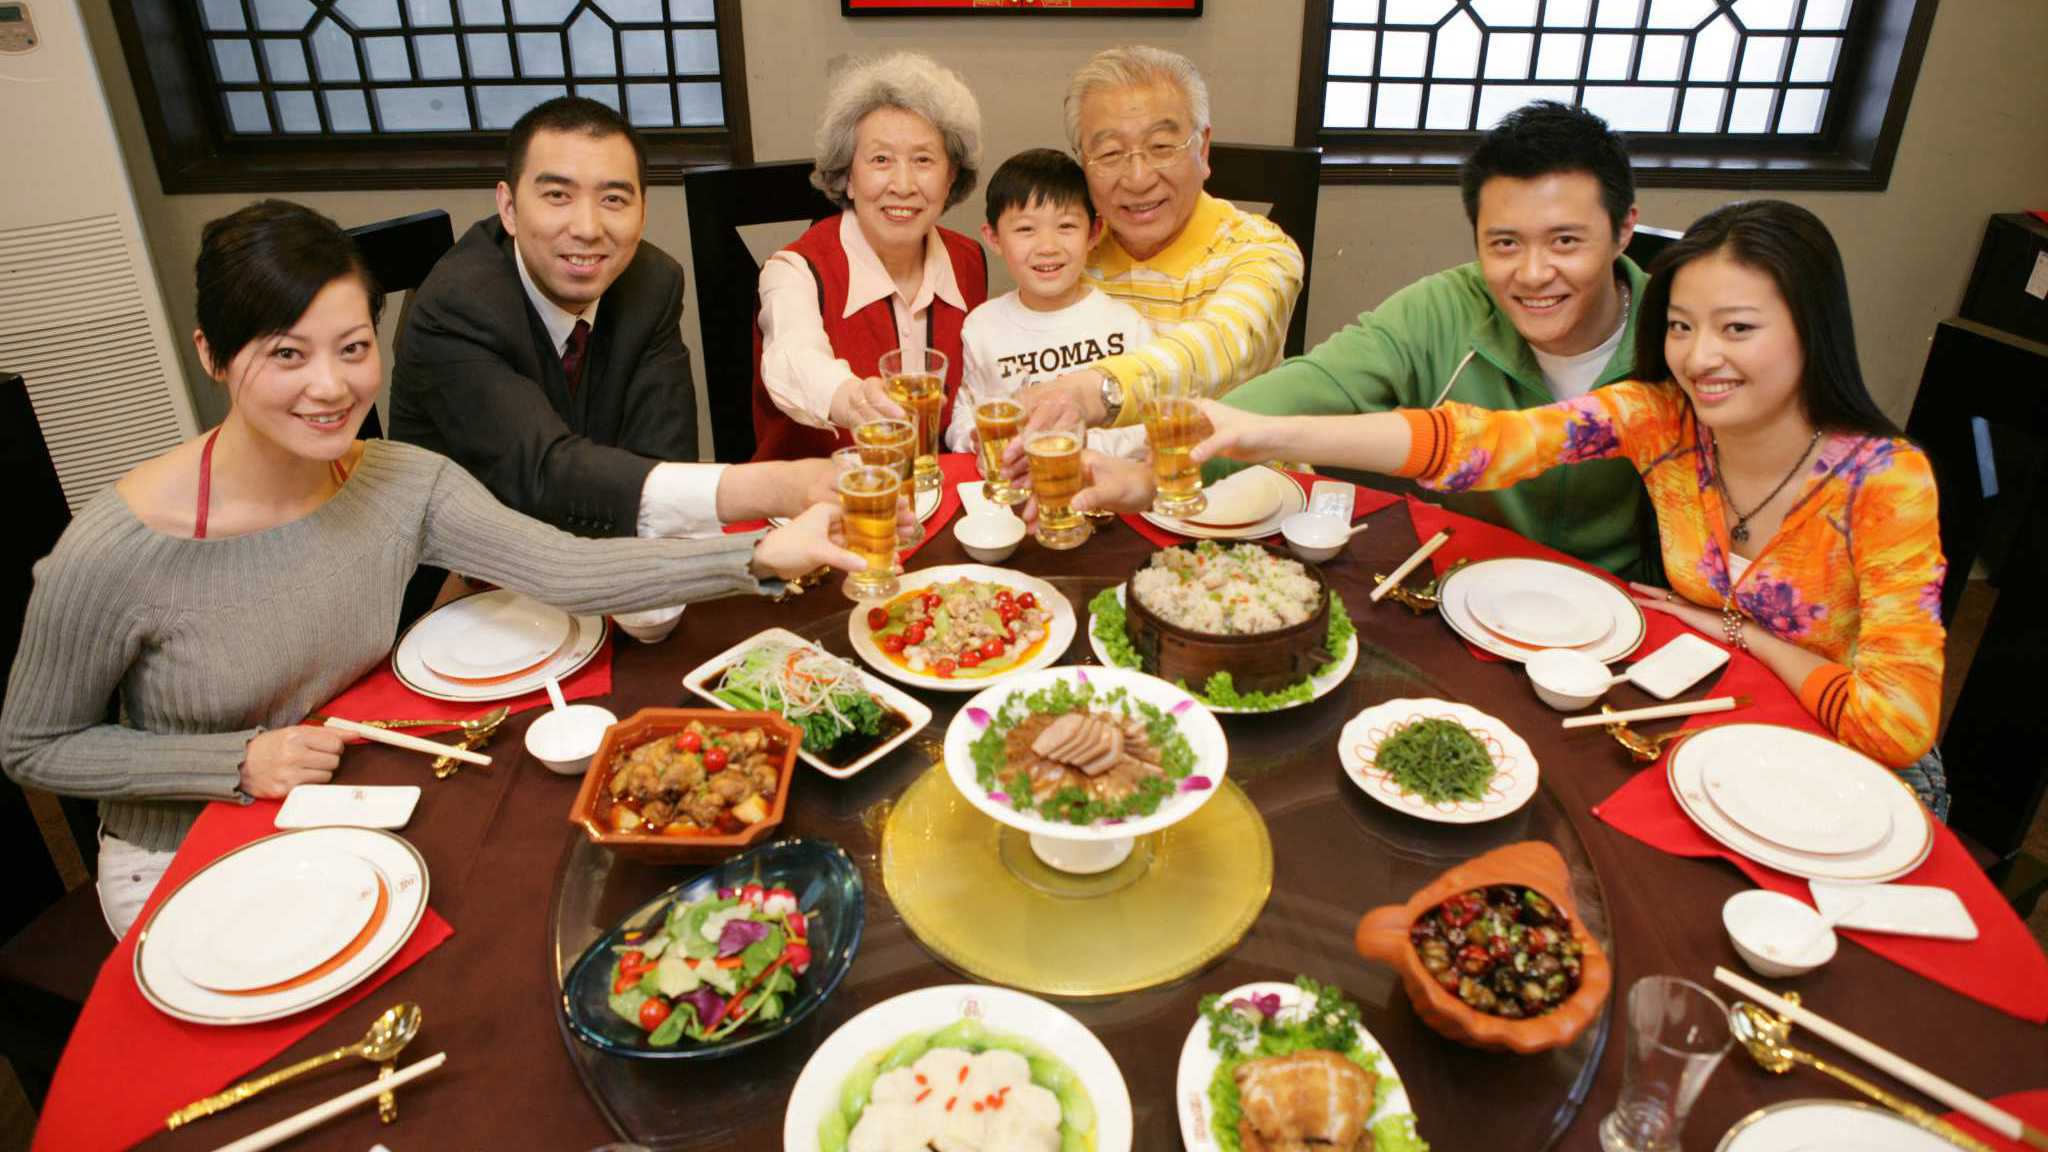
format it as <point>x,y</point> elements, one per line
<point>1218,285</point>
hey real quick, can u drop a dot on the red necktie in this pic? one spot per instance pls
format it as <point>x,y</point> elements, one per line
<point>572,356</point>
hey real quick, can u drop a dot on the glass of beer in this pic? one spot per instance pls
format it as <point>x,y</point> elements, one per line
<point>892,444</point>
<point>868,495</point>
<point>996,422</point>
<point>1173,426</point>
<point>1054,454</point>
<point>916,380</point>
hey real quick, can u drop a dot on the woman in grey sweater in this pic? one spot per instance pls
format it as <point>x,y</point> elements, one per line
<point>222,591</point>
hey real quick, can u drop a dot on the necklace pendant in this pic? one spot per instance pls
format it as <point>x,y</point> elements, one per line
<point>1739,533</point>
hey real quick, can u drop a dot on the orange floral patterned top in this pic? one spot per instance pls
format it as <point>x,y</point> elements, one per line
<point>1853,574</point>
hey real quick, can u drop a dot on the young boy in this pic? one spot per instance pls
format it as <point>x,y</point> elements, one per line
<point>1042,223</point>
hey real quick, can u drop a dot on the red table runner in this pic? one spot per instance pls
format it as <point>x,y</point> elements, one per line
<point>128,1066</point>
<point>1364,502</point>
<point>2031,1107</point>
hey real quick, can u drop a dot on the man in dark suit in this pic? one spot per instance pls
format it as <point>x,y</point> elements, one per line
<point>544,352</point>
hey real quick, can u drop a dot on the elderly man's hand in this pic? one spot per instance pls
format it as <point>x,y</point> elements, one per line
<point>1113,484</point>
<point>859,401</point>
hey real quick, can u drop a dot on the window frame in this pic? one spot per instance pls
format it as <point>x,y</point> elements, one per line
<point>1883,45</point>
<point>196,152</point>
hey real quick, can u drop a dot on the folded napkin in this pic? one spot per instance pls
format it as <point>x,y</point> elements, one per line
<point>380,695</point>
<point>955,469</point>
<point>1364,502</point>
<point>1477,540</point>
<point>2004,967</point>
<point>2031,1107</point>
<point>128,1065</point>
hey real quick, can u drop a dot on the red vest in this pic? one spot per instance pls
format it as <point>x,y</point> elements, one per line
<point>860,339</point>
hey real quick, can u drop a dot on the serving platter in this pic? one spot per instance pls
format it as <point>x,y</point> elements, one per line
<point>1059,633</point>
<point>703,680</point>
<point>1515,771</point>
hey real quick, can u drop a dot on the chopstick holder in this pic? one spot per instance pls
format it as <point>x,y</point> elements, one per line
<point>1427,550</point>
<point>319,1114</point>
<point>1658,712</point>
<point>1983,1112</point>
<point>411,743</point>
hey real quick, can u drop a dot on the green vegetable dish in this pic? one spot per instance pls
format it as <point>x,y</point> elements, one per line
<point>1300,1075</point>
<point>1079,754</point>
<point>714,965</point>
<point>963,1086</point>
<point>820,693</point>
<point>1106,623</point>
<point>1437,759</point>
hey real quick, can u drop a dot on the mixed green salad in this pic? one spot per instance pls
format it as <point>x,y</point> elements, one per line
<point>895,1094</point>
<point>1251,1028</point>
<point>820,693</point>
<point>716,964</point>
<point>1006,781</point>
<point>1106,621</point>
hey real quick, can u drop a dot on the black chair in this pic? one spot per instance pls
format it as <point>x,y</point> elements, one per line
<point>1647,242</point>
<point>400,253</point>
<point>1289,179</point>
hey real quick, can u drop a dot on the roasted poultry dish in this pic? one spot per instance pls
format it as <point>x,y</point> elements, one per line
<point>700,780</point>
<point>1309,1101</point>
<point>1106,756</point>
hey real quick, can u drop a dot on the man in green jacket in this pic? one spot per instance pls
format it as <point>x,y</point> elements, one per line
<point>1544,314</point>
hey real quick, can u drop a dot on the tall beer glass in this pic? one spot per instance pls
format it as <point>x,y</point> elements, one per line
<point>996,422</point>
<point>916,380</point>
<point>868,495</point>
<point>1054,454</point>
<point>1173,426</point>
<point>893,444</point>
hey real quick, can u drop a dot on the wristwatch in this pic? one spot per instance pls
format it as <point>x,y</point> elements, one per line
<point>1112,398</point>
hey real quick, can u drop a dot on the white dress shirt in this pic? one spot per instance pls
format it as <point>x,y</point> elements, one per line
<point>677,499</point>
<point>798,365</point>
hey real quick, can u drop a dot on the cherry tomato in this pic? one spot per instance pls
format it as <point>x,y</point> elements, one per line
<point>715,759</point>
<point>1027,601</point>
<point>624,982</point>
<point>1004,596</point>
<point>653,1012</point>
<point>878,618</point>
<point>634,963</point>
<point>971,658</point>
<point>993,649</point>
<point>893,643</point>
<point>689,742</point>
<point>931,600</point>
<point>944,668</point>
<point>915,633</point>
<point>1472,959</point>
<point>753,894</point>
<point>1008,612</point>
<point>797,956</point>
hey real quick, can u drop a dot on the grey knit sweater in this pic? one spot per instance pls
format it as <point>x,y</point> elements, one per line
<point>208,642</point>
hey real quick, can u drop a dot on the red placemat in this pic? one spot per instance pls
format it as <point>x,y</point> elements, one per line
<point>1477,540</point>
<point>955,469</point>
<point>2003,967</point>
<point>2031,1107</point>
<point>381,695</point>
<point>128,1065</point>
<point>1364,502</point>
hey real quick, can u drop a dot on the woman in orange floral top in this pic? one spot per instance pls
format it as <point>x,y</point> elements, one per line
<point>1795,521</point>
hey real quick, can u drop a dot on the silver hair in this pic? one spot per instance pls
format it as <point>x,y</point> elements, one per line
<point>1135,66</point>
<point>915,83</point>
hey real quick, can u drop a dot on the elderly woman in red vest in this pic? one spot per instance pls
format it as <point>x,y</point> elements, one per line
<point>898,143</point>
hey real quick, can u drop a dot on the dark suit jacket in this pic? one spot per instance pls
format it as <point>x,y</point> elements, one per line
<point>477,379</point>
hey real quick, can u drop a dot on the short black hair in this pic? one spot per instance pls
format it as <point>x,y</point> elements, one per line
<point>259,269</point>
<point>570,114</point>
<point>1035,175</point>
<point>1544,137</point>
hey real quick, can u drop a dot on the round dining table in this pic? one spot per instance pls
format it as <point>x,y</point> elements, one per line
<point>525,893</point>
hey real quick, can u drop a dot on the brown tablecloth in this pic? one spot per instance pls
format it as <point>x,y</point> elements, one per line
<point>495,842</point>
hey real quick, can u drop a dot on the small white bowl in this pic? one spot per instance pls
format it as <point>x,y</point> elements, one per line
<point>989,539</point>
<point>1566,679</point>
<point>1776,934</point>
<point>1314,536</point>
<point>564,739</point>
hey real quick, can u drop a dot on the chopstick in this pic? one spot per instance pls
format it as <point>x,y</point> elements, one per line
<point>401,740</point>
<point>1999,1121</point>
<point>1399,574</point>
<point>319,1114</point>
<point>1660,712</point>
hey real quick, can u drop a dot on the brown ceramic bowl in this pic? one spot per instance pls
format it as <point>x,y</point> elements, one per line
<point>1383,936</point>
<point>651,723</point>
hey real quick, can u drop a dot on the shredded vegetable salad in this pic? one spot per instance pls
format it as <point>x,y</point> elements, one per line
<point>716,964</point>
<point>818,692</point>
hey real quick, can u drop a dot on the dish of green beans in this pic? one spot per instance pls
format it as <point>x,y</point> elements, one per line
<point>1439,760</point>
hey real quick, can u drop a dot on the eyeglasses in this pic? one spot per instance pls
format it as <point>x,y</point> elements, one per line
<point>1158,157</point>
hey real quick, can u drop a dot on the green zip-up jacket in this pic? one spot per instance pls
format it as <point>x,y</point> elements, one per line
<point>1401,356</point>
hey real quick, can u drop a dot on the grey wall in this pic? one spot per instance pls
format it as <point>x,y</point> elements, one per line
<point>1973,145</point>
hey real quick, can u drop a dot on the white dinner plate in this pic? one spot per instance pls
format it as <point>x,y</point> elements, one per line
<point>398,865</point>
<point>1198,1063</point>
<point>585,639</point>
<point>1059,631</point>
<point>1540,617</point>
<point>255,925</point>
<point>1514,765</point>
<point>1828,1126</point>
<point>1621,635</point>
<point>1288,498</point>
<point>923,505</point>
<point>1203,734</point>
<point>490,636</point>
<point>1818,800</point>
<point>880,1027</point>
<point>1902,850</point>
<point>1320,685</point>
<point>704,678</point>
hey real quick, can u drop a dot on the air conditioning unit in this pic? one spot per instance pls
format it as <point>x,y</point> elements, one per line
<point>81,316</point>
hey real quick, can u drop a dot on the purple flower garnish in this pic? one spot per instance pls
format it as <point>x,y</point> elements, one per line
<point>727,893</point>
<point>1183,706</point>
<point>1197,784</point>
<point>706,1003</point>
<point>1081,674</point>
<point>1000,797</point>
<point>980,717</point>
<point>1266,1004</point>
<point>738,934</point>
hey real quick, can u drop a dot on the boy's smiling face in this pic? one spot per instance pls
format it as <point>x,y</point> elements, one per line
<point>1045,246</point>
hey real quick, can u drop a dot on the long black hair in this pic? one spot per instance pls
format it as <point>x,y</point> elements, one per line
<point>259,269</point>
<point>1792,247</point>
